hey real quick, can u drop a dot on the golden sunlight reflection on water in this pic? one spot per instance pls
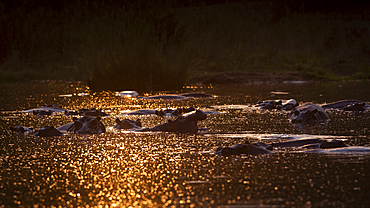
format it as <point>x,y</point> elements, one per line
<point>127,169</point>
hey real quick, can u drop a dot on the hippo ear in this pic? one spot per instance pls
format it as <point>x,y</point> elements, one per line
<point>117,120</point>
<point>74,118</point>
<point>98,118</point>
<point>362,104</point>
<point>323,141</point>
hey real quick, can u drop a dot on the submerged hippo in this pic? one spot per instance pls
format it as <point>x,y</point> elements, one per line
<point>140,112</point>
<point>164,97</point>
<point>40,113</point>
<point>127,124</point>
<point>173,112</point>
<point>310,144</point>
<point>94,112</point>
<point>127,94</point>
<point>347,105</point>
<point>288,105</point>
<point>47,131</point>
<point>239,149</point>
<point>187,124</point>
<point>351,150</point>
<point>84,125</point>
<point>161,113</point>
<point>277,104</point>
<point>268,104</point>
<point>308,114</point>
<point>197,95</point>
<point>45,110</point>
<point>86,112</point>
<point>21,129</point>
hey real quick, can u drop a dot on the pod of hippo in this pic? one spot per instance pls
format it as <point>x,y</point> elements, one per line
<point>308,114</point>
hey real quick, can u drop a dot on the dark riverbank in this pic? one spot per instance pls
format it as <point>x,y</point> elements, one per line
<point>164,46</point>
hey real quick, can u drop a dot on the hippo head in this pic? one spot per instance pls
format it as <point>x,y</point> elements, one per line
<point>240,149</point>
<point>48,131</point>
<point>42,112</point>
<point>287,107</point>
<point>87,125</point>
<point>177,112</point>
<point>269,106</point>
<point>21,129</point>
<point>355,107</point>
<point>186,110</point>
<point>308,117</point>
<point>234,150</point>
<point>159,113</point>
<point>187,124</point>
<point>94,112</point>
<point>70,113</point>
<point>127,124</point>
<point>324,144</point>
<point>197,116</point>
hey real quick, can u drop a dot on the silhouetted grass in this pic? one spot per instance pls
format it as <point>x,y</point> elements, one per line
<point>155,47</point>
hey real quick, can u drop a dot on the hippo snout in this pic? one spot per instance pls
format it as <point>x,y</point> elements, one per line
<point>296,121</point>
<point>86,131</point>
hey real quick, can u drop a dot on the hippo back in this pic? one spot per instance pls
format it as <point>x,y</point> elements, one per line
<point>47,131</point>
<point>239,149</point>
<point>355,107</point>
<point>325,144</point>
<point>308,114</point>
<point>347,105</point>
<point>21,129</point>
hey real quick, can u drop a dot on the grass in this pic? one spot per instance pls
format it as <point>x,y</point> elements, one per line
<point>161,48</point>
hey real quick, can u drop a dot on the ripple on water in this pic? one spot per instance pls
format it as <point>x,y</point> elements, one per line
<point>154,170</point>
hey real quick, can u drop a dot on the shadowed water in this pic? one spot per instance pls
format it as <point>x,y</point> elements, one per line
<point>122,168</point>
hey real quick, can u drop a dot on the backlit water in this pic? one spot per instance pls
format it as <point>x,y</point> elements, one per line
<point>122,169</point>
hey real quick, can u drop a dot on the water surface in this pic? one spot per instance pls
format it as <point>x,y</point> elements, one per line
<point>161,169</point>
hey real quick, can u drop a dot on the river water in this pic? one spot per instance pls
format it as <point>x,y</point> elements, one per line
<point>122,169</point>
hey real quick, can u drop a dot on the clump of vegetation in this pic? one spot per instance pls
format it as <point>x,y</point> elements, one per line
<point>144,46</point>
